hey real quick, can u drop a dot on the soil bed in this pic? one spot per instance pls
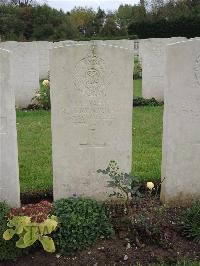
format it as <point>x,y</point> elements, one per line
<point>149,234</point>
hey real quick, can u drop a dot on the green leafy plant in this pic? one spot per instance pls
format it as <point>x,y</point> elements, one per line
<point>81,223</point>
<point>125,185</point>
<point>191,222</point>
<point>7,249</point>
<point>146,102</point>
<point>137,69</point>
<point>30,232</point>
<point>42,97</point>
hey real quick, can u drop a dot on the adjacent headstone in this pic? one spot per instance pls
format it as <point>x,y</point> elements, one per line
<point>9,172</point>
<point>152,54</point>
<point>25,69</point>
<point>181,126</point>
<point>129,44</point>
<point>43,53</point>
<point>91,96</point>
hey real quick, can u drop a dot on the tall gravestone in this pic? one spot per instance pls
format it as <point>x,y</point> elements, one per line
<point>9,172</point>
<point>91,94</point>
<point>43,54</point>
<point>25,70</point>
<point>181,124</point>
<point>152,53</point>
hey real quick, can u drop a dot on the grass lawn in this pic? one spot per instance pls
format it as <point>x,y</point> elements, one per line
<point>137,88</point>
<point>34,138</point>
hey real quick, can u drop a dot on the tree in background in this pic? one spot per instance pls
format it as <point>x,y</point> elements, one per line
<point>112,27</point>
<point>83,19</point>
<point>99,21</point>
<point>26,20</point>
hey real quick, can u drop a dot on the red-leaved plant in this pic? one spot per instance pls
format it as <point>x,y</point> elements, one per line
<point>38,212</point>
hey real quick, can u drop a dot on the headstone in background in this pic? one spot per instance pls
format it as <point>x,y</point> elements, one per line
<point>25,70</point>
<point>152,54</point>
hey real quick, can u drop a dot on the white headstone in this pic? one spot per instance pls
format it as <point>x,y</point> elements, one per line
<point>91,95</point>
<point>181,136</point>
<point>9,171</point>
<point>25,69</point>
<point>152,54</point>
<point>43,52</point>
<point>129,44</point>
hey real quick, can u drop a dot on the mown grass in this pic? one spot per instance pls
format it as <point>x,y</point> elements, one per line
<point>34,142</point>
<point>137,85</point>
<point>34,145</point>
<point>147,142</point>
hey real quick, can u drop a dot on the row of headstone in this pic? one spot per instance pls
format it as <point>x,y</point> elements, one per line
<point>152,53</point>
<point>30,60</point>
<point>91,93</point>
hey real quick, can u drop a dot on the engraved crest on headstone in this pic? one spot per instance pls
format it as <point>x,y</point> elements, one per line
<point>197,69</point>
<point>91,76</point>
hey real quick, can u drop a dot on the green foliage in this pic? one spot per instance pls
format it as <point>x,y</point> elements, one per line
<point>162,28</point>
<point>81,223</point>
<point>191,222</point>
<point>146,102</point>
<point>112,28</point>
<point>8,250</point>
<point>158,18</point>
<point>125,185</point>
<point>39,22</point>
<point>30,232</point>
<point>137,74</point>
<point>42,97</point>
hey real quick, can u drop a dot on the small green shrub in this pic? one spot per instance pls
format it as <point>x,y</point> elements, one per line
<point>125,185</point>
<point>191,222</point>
<point>81,223</point>
<point>146,102</point>
<point>8,250</point>
<point>42,97</point>
<point>137,74</point>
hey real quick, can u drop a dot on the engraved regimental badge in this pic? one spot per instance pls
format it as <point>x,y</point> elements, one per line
<point>91,76</point>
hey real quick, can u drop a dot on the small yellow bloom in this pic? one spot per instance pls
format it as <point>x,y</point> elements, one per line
<point>45,82</point>
<point>150,185</point>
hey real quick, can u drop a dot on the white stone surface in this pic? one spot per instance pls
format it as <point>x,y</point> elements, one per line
<point>43,53</point>
<point>91,94</point>
<point>152,54</point>
<point>9,171</point>
<point>181,125</point>
<point>129,44</point>
<point>25,70</point>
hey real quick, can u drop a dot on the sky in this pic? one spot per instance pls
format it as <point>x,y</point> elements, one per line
<point>67,5</point>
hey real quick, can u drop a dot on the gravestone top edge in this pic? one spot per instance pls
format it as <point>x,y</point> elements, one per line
<point>91,45</point>
<point>181,43</point>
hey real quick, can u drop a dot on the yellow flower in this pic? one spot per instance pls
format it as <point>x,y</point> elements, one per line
<point>150,185</point>
<point>45,82</point>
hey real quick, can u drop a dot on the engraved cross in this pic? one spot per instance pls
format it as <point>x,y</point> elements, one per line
<point>92,144</point>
